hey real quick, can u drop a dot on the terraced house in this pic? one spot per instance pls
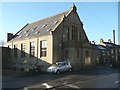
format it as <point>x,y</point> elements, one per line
<point>56,38</point>
<point>110,52</point>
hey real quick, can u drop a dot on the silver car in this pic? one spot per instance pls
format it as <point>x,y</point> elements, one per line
<point>59,67</point>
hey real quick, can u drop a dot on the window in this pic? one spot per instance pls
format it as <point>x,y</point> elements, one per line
<point>108,53</point>
<point>74,33</point>
<point>43,26</point>
<point>33,29</point>
<point>43,49</point>
<point>87,57</point>
<point>66,53</point>
<point>26,31</point>
<point>55,22</point>
<point>32,49</point>
<point>19,32</point>
<point>48,30</point>
<point>68,34</point>
<point>62,64</point>
<point>19,36</point>
<point>15,51</point>
<point>112,51</point>
<point>79,36</point>
<point>27,35</point>
<point>37,32</point>
<point>23,50</point>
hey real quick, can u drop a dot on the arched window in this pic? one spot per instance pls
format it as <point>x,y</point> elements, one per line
<point>87,57</point>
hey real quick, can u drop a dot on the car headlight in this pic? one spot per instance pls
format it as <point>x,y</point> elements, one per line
<point>49,70</point>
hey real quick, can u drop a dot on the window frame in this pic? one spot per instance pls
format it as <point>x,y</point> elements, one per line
<point>74,32</point>
<point>23,48</point>
<point>43,48</point>
<point>32,49</point>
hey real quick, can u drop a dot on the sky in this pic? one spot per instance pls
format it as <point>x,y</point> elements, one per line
<point>99,18</point>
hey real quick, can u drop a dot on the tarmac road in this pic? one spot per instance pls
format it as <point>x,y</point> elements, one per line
<point>101,78</point>
<point>98,78</point>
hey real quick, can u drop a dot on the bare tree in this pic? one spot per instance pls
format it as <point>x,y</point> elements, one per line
<point>2,43</point>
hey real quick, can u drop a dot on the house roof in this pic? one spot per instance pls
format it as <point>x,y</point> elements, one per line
<point>108,44</point>
<point>39,28</point>
<point>100,47</point>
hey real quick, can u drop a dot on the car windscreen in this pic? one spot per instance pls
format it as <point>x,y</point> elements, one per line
<point>55,64</point>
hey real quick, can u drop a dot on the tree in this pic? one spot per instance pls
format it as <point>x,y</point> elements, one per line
<point>2,43</point>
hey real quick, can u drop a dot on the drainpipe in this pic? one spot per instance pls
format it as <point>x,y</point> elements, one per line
<point>82,63</point>
<point>62,39</point>
<point>81,56</point>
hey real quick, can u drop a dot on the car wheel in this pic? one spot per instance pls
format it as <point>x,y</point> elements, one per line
<point>70,70</point>
<point>58,72</point>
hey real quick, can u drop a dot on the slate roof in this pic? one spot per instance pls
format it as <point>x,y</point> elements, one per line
<point>110,44</point>
<point>39,28</point>
<point>100,47</point>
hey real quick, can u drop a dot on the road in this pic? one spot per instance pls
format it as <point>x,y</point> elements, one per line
<point>105,81</point>
<point>101,78</point>
<point>98,78</point>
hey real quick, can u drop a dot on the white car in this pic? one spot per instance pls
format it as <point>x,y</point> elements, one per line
<point>59,67</point>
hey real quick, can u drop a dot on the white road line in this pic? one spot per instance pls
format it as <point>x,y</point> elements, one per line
<point>72,86</point>
<point>117,82</point>
<point>65,82</point>
<point>78,82</point>
<point>47,86</point>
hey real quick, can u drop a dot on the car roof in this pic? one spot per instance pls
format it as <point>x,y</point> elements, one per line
<point>63,62</point>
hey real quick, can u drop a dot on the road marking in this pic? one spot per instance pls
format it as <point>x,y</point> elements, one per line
<point>65,82</point>
<point>47,86</point>
<point>72,86</point>
<point>117,82</point>
<point>78,82</point>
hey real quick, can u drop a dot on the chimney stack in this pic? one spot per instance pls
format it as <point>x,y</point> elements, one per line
<point>114,36</point>
<point>93,42</point>
<point>101,40</point>
<point>109,40</point>
<point>9,36</point>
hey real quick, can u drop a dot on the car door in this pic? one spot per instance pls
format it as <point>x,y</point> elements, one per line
<point>67,66</point>
<point>62,67</point>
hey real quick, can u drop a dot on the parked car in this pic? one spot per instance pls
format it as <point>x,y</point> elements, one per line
<point>59,67</point>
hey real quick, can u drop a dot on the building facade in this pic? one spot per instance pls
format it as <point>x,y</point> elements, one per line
<point>108,52</point>
<point>56,38</point>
